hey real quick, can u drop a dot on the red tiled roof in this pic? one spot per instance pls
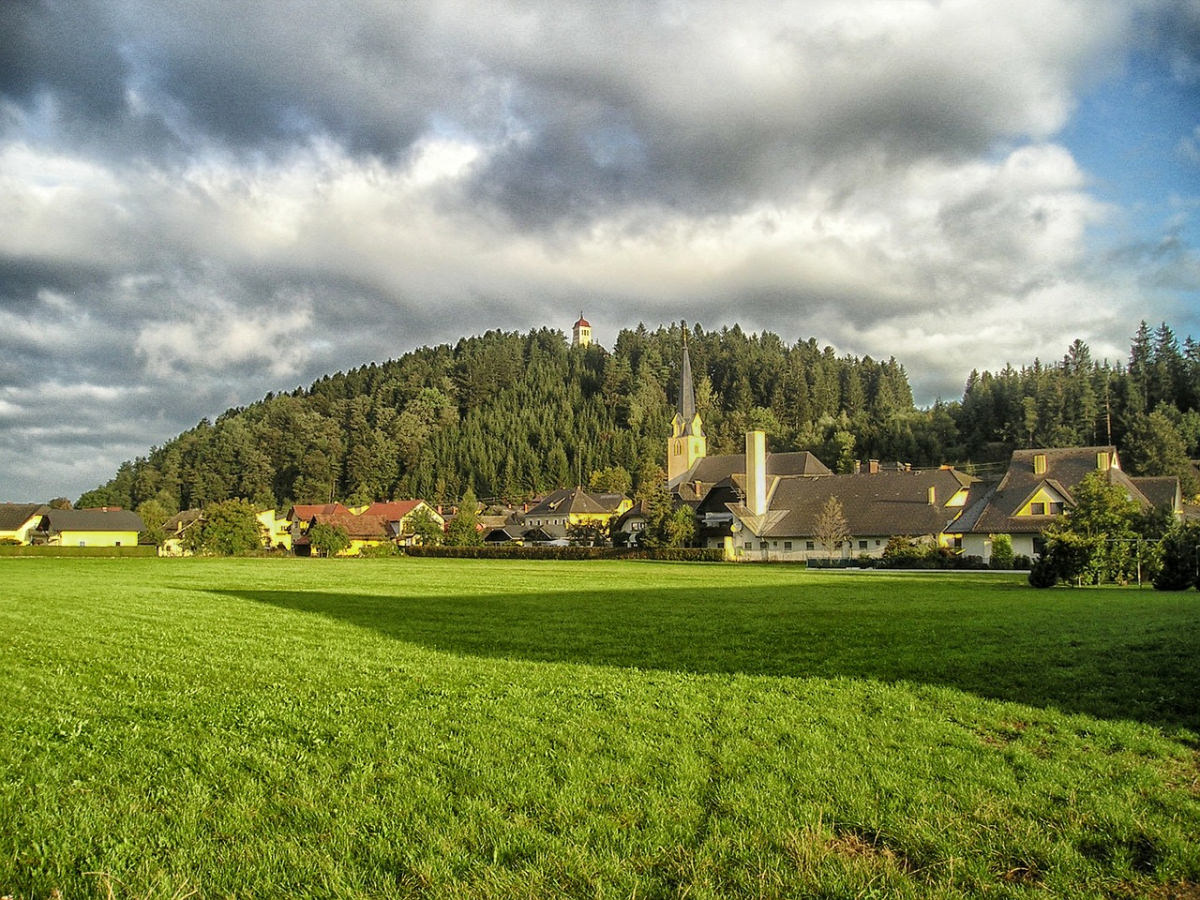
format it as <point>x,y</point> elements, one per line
<point>305,511</point>
<point>392,510</point>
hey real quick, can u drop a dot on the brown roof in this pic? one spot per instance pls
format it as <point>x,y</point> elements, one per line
<point>362,528</point>
<point>993,509</point>
<point>182,520</point>
<point>14,515</point>
<point>882,503</point>
<point>305,511</point>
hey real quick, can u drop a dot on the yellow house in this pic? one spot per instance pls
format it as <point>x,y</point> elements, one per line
<point>89,528</point>
<point>278,530</point>
<point>17,520</point>
<point>363,530</point>
<point>564,508</point>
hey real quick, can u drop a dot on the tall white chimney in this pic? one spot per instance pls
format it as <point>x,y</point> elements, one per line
<point>756,472</point>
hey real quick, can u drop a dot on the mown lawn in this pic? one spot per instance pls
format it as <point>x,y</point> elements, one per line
<point>441,728</point>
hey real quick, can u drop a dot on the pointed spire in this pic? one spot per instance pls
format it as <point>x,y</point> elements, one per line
<point>687,394</point>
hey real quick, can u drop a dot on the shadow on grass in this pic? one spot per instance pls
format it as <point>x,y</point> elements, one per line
<point>1137,659</point>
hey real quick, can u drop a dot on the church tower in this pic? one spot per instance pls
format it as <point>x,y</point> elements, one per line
<point>581,333</point>
<point>686,443</point>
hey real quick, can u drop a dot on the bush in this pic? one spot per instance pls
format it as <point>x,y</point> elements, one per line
<point>1043,574</point>
<point>379,551</point>
<point>1180,559</point>
<point>514,551</point>
<point>1002,552</point>
<point>1021,561</point>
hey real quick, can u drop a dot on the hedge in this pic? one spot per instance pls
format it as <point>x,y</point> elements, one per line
<point>514,551</point>
<point>45,550</point>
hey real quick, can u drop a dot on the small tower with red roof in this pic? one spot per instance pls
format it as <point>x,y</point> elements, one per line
<point>581,333</point>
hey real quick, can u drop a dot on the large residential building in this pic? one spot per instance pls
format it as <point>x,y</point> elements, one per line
<point>1037,489</point>
<point>88,528</point>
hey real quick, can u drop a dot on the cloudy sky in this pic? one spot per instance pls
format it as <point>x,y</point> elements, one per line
<point>203,201</point>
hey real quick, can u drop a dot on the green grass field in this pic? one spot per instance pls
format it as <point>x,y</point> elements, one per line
<point>441,728</point>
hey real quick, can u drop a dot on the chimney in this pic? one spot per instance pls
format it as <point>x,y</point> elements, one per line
<point>1102,461</point>
<point>756,472</point>
<point>932,495</point>
<point>873,466</point>
<point>1039,464</point>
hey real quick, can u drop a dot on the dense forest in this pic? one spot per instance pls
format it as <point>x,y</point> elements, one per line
<point>510,415</point>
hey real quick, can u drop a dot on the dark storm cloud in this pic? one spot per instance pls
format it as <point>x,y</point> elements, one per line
<point>63,48</point>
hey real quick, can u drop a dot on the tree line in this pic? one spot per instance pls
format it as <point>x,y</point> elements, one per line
<point>505,416</point>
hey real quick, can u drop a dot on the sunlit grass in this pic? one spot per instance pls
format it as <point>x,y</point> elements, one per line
<point>453,728</point>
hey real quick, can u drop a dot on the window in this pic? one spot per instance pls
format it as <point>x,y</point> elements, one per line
<point>762,545</point>
<point>809,545</point>
<point>1037,509</point>
<point>748,546</point>
<point>774,543</point>
<point>787,545</point>
<point>878,543</point>
<point>1056,509</point>
<point>862,545</point>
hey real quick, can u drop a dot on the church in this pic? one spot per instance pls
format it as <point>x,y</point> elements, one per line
<point>765,506</point>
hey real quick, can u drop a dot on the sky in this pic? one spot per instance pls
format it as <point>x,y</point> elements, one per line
<point>204,201</point>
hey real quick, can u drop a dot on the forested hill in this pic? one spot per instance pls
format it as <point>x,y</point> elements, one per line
<point>510,415</point>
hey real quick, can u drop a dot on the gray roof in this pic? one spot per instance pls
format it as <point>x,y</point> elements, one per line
<point>1162,490</point>
<point>993,509</point>
<point>577,501</point>
<point>91,520</point>
<point>883,503</point>
<point>686,408</point>
<point>14,515</point>
<point>710,470</point>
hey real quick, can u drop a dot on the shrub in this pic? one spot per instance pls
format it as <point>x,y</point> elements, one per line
<point>1002,552</point>
<point>514,551</point>
<point>328,540</point>
<point>1042,574</point>
<point>1180,558</point>
<point>379,551</point>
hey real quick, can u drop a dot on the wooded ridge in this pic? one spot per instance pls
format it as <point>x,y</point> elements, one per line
<point>511,415</point>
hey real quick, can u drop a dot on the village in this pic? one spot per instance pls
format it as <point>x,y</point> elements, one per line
<point>751,506</point>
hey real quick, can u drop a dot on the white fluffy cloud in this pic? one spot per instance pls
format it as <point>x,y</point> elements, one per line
<point>235,196</point>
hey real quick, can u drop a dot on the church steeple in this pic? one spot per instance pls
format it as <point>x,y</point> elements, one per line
<point>687,442</point>
<point>686,408</point>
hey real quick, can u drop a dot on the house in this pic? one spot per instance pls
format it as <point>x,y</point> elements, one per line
<point>627,529</point>
<point>278,530</point>
<point>106,527</point>
<point>759,515</point>
<point>363,530</point>
<point>398,515</point>
<point>1036,490</point>
<point>561,509</point>
<point>506,527</point>
<point>300,518</point>
<point>177,528</point>
<point>17,520</point>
